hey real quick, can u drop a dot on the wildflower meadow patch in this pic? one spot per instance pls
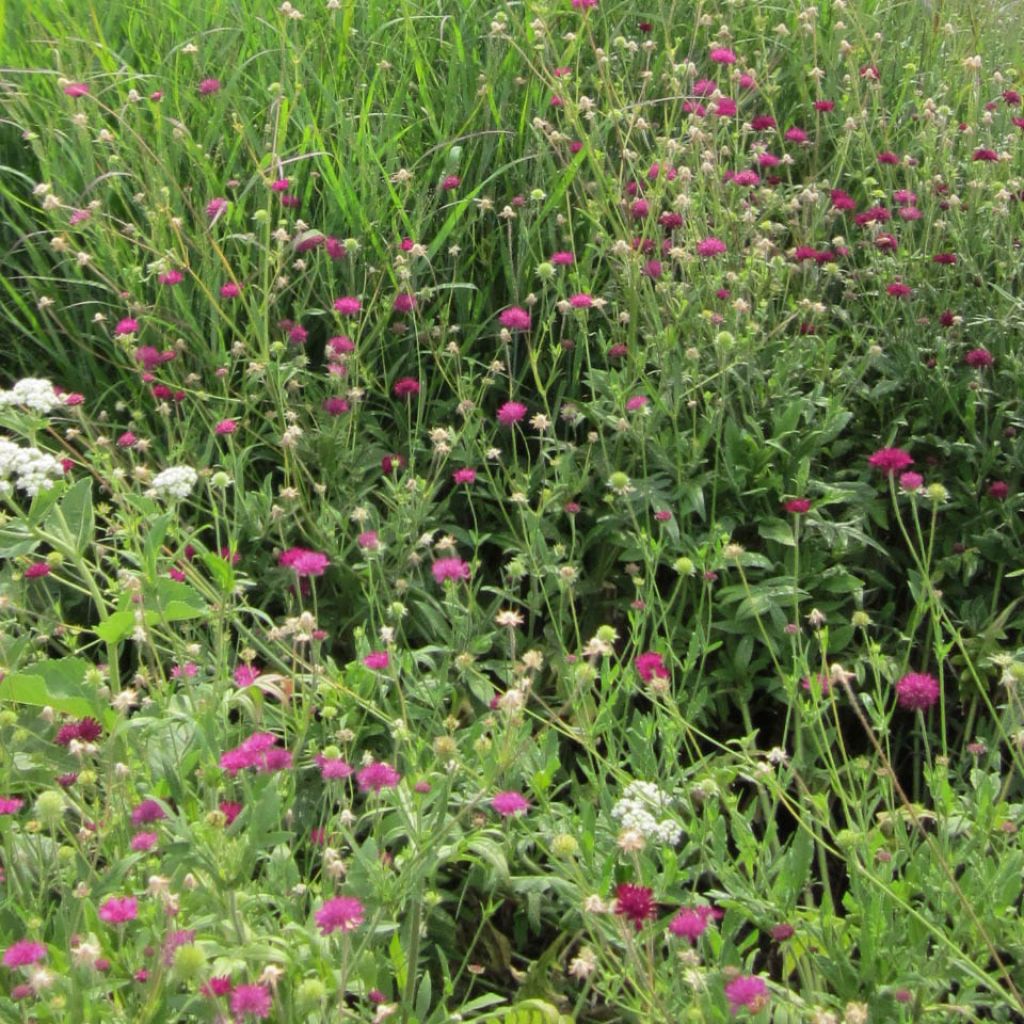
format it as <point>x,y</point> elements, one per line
<point>511,513</point>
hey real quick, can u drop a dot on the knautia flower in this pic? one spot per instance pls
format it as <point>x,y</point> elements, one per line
<point>515,318</point>
<point>650,666</point>
<point>455,569</point>
<point>511,412</point>
<point>890,460</point>
<point>691,922</point>
<point>24,953</point>
<point>340,914</point>
<point>917,691</point>
<point>746,991</point>
<point>174,482</point>
<point>304,562</point>
<point>509,803</point>
<point>119,909</point>
<point>251,1001</point>
<point>635,903</point>
<point>377,776</point>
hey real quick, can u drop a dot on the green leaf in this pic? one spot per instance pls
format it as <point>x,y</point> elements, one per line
<point>59,684</point>
<point>221,571</point>
<point>15,540</point>
<point>116,627</point>
<point>73,519</point>
<point>777,530</point>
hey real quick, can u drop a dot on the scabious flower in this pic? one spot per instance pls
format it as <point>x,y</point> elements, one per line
<point>76,89</point>
<point>11,804</point>
<point>445,569</point>
<point>340,914</point>
<point>245,675</point>
<point>890,460</point>
<point>208,86</point>
<point>348,305</point>
<point>797,506</point>
<point>215,207</point>
<point>650,666</point>
<point>509,803</point>
<point>259,751</point>
<point>979,358</point>
<point>406,387</point>
<point>304,562</point>
<point>910,481</point>
<point>917,691</point>
<point>119,909</point>
<point>405,302</point>
<point>377,660</point>
<point>146,812</point>
<point>746,991</point>
<point>127,325</point>
<point>691,922</point>
<point>722,55</point>
<point>999,490</point>
<point>515,319</point>
<point>377,776</point>
<point>230,290</point>
<point>635,902</point>
<point>898,290</point>
<point>511,412</point>
<point>24,953</point>
<point>37,570</point>
<point>581,300</point>
<point>464,476</point>
<point>710,247</point>
<point>332,767</point>
<point>252,1001</point>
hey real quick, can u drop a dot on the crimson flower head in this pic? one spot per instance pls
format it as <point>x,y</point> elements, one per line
<point>691,922</point>
<point>511,412</point>
<point>208,86</point>
<point>445,569</point>
<point>917,691</point>
<point>342,913</point>
<point>798,506</point>
<point>746,991</point>
<point>24,953</point>
<point>515,318</point>
<point>251,1000</point>
<point>509,803</point>
<point>890,460</point>
<point>635,902</point>
<point>303,561</point>
<point>979,358</point>
<point>377,776</point>
<point>722,55</point>
<point>651,665</point>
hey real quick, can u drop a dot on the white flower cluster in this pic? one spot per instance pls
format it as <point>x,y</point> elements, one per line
<point>33,470</point>
<point>32,393</point>
<point>641,809</point>
<point>174,482</point>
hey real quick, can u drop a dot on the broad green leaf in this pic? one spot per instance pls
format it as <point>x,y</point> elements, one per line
<point>59,684</point>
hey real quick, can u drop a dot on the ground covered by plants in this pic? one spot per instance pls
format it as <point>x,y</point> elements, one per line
<point>511,512</point>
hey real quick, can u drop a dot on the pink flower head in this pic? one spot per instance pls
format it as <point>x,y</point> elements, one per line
<point>798,506</point>
<point>636,903</point>
<point>245,675</point>
<point>650,666</point>
<point>303,561</point>
<point>509,803</point>
<point>11,804</point>
<point>691,922</point>
<point>452,181</point>
<point>37,570</point>
<point>581,300</point>
<point>406,387</point>
<point>511,412</point>
<point>259,751</point>
<point>583,5</point>
<point>129,325</point>
<point>405,302</point>
<point>208,86</point>
<point>24,953</point>
<point>722,55</point>
<point>230,290</point>
<point>368,540</point>
<point>635,402</point>
<point>251,1001</point>
<point>377,776</point>
<point>917,691</point>
<point>999,490</point>
<point>515,319</point>
<point>341,914</point>
<point>377,660</point>
<point>171,278</point>
<point>143,842</point>
<point>746,991</point>
<point>562,259</point>
<point>910,481</point>
<point>215,207</point>
<point>898,290</point>
<point>335,405</point>
<point>979,358</point>
<point>464,476</point>
<point>890,460</point>
<point>710,247</point>
<point>119,909</point>
<point>445,569</point>
<point>332,767</point>
<point>348,305</point>
<point>146,812</point>
<point>985,155</point>
<point>76,89</point>
<point>226,427</point>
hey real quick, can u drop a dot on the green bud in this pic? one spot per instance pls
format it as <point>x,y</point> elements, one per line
<point>49,807</point>
<point>220,479</point>
<point>861,620</point>
<point>189,962</point>
<point>261,216</point>
<point>564,845</point>
<point>310,993</point>
<point>545,271</point>
<point>684,566</point>
<point>538,195</point>
<point>8,717</point>
<point>725,338</point>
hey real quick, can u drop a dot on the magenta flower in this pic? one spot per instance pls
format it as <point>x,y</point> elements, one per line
<point>406,387</point>
<point>562,259</point>
<point>332,767</point>
<point>129,325</point>
<point>208,86</point>
<point>636,903</point>
<point>252,1001</point>
<point>215,207</point>
<point>898,290</point>
<point>999,490</point>
<point>452,181</point>
<point>917,691</point>
<point>76,89</point>
<point>797,506</point>
<point>515,319</point>
<point>509,803</point>
<point>368,540</point>
<point>147,812</point>
<point>37,570</point>
<point>259,751</point>
<point>445,569</point>
<point>303,561</point>
<point>890,460</point>
<point>11,804</point>
<point>691,922</point>
<point>710,247</point>
<point>119,909</point>
<point>24,953</point>
<point>230,290</point>
<point>226,427</point>
<point>721,55</point>
<point>979,357</point>
<point>581,300</point>
<point>143,842</point>
<point>746,991</point>
<point>340,914</point>
<point>464,476</point>
<point>335,405</point>
<point>377,660</point>
<point>377,776</point>
<point>511,412</point>
<point>245,675</point>
<point>348,305</point>
<point>910,481</point>
<point>405,302</point>
<point>651,665</point>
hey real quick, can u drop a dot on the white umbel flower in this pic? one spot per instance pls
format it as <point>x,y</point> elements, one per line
<point>32,393</point>
<point>174,482</point>
<point>33,470</point>
<point>642,809</point>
